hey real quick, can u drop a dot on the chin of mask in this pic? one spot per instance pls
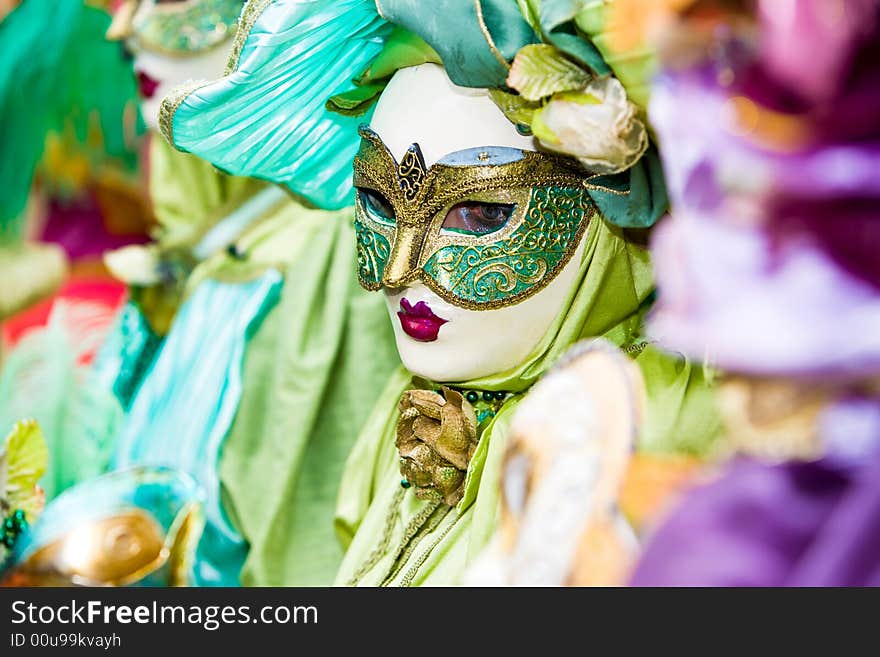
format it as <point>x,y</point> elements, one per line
<point>454,252</point>
<point>158,74</point>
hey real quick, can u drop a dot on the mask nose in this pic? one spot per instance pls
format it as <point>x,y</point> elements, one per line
<point>402,267</point>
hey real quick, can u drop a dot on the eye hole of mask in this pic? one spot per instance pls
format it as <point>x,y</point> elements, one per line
<point>476,218</point>
<point>376,204</point>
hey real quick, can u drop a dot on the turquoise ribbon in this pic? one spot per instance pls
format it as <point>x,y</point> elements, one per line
<point>185,406</point>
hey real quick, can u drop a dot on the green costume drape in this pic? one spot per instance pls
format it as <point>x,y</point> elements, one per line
<point>312,370</point>
<point>394,538</point>
<point>189,195</point>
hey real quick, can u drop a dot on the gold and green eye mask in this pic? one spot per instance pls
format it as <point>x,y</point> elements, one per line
<point>482,228</point>
<point>176,27</point>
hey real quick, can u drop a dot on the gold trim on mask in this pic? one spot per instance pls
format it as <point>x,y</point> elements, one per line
<point>421,197</point>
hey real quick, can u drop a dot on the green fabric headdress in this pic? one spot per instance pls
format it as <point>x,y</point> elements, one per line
<point>303,76</point>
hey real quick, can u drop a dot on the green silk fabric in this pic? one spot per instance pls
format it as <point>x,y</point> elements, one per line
<point>312,374</point>
<point>189,196</point>
<point>614,282</point>
<point>475,39</point>
<point>312,371</point>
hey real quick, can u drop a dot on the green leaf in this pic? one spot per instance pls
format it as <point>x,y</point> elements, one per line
<point>543,132</point>
<point>517,109</point>
<point>540,70</point>
<point>578,97</point>
<point>26,461</point>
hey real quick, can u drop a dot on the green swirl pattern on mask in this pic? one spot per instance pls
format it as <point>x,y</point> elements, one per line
<point>504,272</point>
<point>372,254</point>
<point>199,27</point>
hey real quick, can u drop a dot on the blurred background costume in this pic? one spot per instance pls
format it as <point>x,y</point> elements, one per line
<point>247,356</point>
<point>769,265</point>
<point>474,100</point>
<point>138,527</point>
<point>71,134</point>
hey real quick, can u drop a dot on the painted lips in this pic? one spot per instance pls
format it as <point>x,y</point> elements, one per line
<point>418,321</point>
<point>146,85</point>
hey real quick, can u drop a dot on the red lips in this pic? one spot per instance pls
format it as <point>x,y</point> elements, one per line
<point>146,85</point>
<point>418,321</point>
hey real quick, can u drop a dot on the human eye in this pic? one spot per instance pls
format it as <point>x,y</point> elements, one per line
<point>478,218</point>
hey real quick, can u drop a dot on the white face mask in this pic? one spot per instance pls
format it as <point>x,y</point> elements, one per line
<point>158,74</point>
<point>437,339</point>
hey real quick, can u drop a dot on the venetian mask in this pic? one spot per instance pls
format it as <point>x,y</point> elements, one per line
<point>173,42</point>
<point>473,236</point>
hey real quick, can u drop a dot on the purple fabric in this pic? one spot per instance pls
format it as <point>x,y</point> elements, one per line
<point>794,524</point>
<point>803,524</point>
<point>76,225</point>
<point>808,46</point>
<point>728,294</point>
<point>770,265</point>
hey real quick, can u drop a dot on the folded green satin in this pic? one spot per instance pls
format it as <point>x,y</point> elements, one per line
<point>475,38</point>
<point>312,374</point>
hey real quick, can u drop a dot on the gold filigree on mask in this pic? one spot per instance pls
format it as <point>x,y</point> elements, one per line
<point>411,173</point>
<point>552,209</point>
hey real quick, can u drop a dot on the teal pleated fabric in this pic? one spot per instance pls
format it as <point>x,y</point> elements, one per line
<point>475,38</point>
<point>169,425</point>
<point>267,117</point>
